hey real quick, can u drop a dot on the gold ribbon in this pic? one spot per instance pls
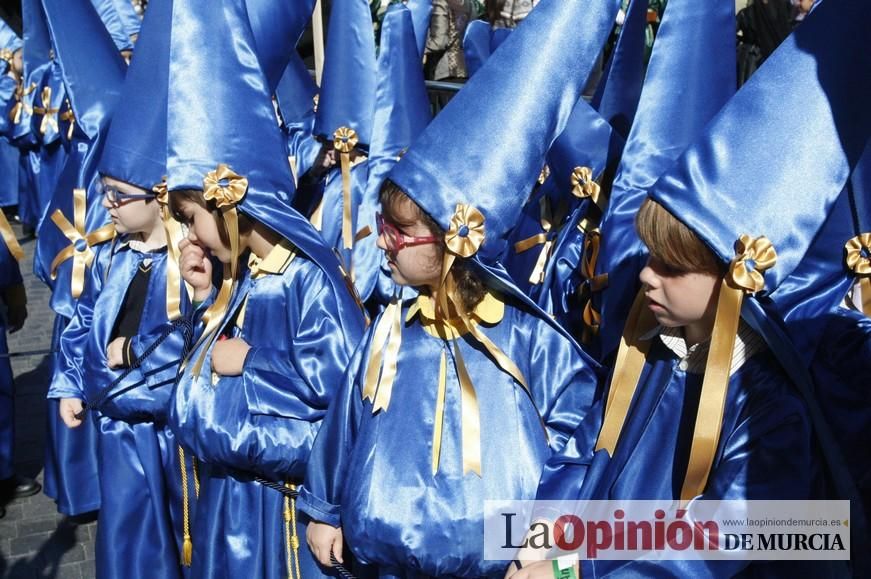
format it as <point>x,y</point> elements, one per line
<point>70,116</point>
<point>6,54</point>
<point>20,105</point>
<point>10,239</point>
<point>592,283</point>
<point>753,256</point>
<point>381,371</point>
<point>227,189</point>
<point>344,141</point>
<point>75,233</point>
<point>174,235</point>
<point>549,217</point>
<point>858,258</point>
<point>584,186</point>
<point>49,115</point>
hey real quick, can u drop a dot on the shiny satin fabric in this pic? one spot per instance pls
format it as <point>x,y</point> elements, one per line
<point>28,197</point>
<point>690,77</point>
<point>420,14</point>
<point>481,149</point>
<point>765,452</point>
<point>204,129</point>
<point>295,96</point>
<point>111,19</point>
<point>277,27</point>
<point>262,422</point>
<point>37,41</point>
<point>372,473</point>
<point>48,132</point>
<point>83,371</point>
<point>70,474</point>
<point>348,84</point>
<point>735,179</point>
<point>92,69</point>
<point>402,112</point>
<point>618,92</point>
<point>138,527</point>
<point>8,38</point>
<point>128,17</point>
<point>479,43</point>
<point>9,275</point>
<point>10,159</point>
<point>135,149</point>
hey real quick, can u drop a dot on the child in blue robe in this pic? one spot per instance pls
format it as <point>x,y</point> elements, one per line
<point>280,328</point>
<point>461,394</point>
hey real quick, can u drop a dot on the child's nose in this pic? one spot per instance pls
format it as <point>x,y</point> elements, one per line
<point>648,276</point>
<point>381,243</point>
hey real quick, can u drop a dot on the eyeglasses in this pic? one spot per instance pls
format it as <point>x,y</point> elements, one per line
<point>395,240</point>
<point>117,198</point>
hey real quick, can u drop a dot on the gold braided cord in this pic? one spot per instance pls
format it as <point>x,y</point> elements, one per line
<point>187,544</point>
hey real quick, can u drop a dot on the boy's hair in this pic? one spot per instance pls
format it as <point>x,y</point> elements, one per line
<point>470,286</point>
<point>672,243</point>
<point>196,196</point>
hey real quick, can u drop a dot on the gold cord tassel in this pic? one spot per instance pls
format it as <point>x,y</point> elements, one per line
<point>187,545</point>
<point>290,532</point>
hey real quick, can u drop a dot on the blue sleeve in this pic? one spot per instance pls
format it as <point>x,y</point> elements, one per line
<point>320,496</point>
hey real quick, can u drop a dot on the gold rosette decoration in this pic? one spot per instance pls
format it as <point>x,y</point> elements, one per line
<point>344,141</point>
<point>6,54</point>
<point>753,256</point>
<point>858,260</point>
<point>466,231</point>
<point>227,189</point>
<point>584,186</point>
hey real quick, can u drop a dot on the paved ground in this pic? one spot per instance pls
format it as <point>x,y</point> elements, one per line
<point>36,541</point>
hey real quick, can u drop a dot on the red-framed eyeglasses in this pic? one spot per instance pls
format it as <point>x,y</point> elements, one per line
<point>395,240</point>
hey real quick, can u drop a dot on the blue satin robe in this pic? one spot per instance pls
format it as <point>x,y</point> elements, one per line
<point>262,422</point>
<point>140,522</point>
<point>765,452</point>
<point>10,275</point>
<point>371,473</point>
<point>53,151</point>
<point>9,154</point>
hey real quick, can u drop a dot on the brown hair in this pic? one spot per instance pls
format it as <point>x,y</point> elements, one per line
<point>672,243</point>
<point>469,285</point>
<point>196,196</point>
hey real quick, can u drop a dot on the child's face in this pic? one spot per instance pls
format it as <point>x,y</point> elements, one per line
<point>203,230</point>
<point>415,265</point>
<point>680,299</point>
<point>133,210</point>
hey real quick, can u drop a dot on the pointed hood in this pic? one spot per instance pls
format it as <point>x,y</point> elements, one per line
<point>420,13</point>
<point>228,135</point>
<point>135,150</point>
<point>690,77</point>
<point>296,90</point>
<point>489,144</point>
<point>93,71</point>
<point>348,85</point>
<point>402,112</point>
<point>479,42</point>
<point>37,42</point>
<point>619,89</point>
<point>276,27</point>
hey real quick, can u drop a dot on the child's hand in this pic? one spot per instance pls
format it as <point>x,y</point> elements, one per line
<point>228,356</point>
<point>115,353</point>
<point>69,407</point>
<point>322,540</point>
<point>196,269</point>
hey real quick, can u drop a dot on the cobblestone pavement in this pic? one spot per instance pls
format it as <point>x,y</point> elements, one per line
<point>35,540</point>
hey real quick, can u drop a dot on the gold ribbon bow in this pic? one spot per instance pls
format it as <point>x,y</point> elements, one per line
<point>69,116</point>
<point>20,105</point>
<point>584,186</point>
<point>753,257</point>
<point>592,283</point>
<point>6,54</point>
<point>49,115</point>
<point>549,218</point>
<point>174,235</point>
<point>344,141</point>
<point>81,243</point>
<point>858,258</point>
<point>466,231</point>
<point>227,189</point>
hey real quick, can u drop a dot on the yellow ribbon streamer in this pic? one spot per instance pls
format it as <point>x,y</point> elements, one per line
<point>75,233</point>
<point>20,105</point>
<point>549,218</point>
<point>593,283</point>
<point>344,141</point>
<point>174,235</point>
<point>49,115</point>
<point>381,372</point>
<point>227,189</point>
<point>10,239</point>
<point>753,257</point>
<point>438,422</point>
